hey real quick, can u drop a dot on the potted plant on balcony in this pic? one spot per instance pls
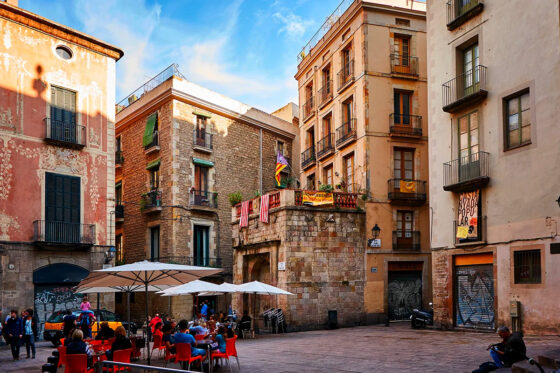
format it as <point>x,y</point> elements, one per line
<point>328,188</point>
<point>235,198</point>
<point>341,185</point>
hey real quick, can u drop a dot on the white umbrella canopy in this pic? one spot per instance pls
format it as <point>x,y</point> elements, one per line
<point>257,287</point>
<point>193,287</point>
<point>120,289</point>
<point>225,287</point>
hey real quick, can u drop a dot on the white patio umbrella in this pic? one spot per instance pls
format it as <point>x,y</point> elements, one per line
<point>146,273</point>
<point>225,287</point>
<point>257,287</point>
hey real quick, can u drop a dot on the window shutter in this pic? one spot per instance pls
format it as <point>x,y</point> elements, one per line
<point>149,131</point>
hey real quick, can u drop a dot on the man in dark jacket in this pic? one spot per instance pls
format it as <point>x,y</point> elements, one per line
<point>14,330</point>
<point>511,350</point>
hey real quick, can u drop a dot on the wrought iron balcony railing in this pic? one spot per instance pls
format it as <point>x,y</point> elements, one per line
<point>308,108</point>
<point>60,232</point>
<point>190,260</point>
<point>119,159</point>
<point>202,139</point>
<point>406,240</point>
<point>460,11</point>
<point>152,200</point>
<point>325,146</point>
<point>308,157</point>
<point>403,64</point>
<point>346,133</point>
<point>203,198</point>
<point>341,200</point>
<point>326,93</point>
<point>407,125</point>
<point>407,191</point>
<point>467,172</point>
<point>346,74</point>
<point>155,142</point>
<point>119,211</point>
<point>65,133</point>
<point>465,89</point>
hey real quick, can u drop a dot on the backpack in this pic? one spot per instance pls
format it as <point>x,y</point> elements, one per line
<point>85,322</point>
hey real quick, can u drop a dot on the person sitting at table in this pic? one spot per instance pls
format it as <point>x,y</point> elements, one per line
<point>167,339</point>
<point>184,337</point>
<point>220,339</point>
<point>198,329</point>
<point>211,324</point>
<point>78,346</point>
<point>105,332</point>
<point>245,323</point>
<point>157,330</point>
<point>121,342</point>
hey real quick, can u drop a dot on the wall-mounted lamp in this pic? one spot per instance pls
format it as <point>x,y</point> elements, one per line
<point>375,231</point>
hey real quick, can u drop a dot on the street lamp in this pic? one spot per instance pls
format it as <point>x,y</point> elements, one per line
<point>376,230</point>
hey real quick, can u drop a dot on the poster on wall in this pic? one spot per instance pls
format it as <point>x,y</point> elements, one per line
<point>468,215</point>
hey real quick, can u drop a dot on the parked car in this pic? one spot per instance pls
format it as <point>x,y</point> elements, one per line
<point>54,324</point>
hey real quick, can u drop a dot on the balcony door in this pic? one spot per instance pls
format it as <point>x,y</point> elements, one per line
<point>405,221</point>
<point>201,122</point>
<point>471,76</point>
<point>403,165</point>
<point>469,162</point>
<point>201,251</point>
<point>63,115</point>
<point>402,54</point>
<point>200,185</point>
<point>402,105</point>
<point>62,208</point>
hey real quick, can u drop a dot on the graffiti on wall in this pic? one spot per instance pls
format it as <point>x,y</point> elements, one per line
<point>49,299</point>
<point>475,296</point>
<point>405,294</point>
<point>468,215</point>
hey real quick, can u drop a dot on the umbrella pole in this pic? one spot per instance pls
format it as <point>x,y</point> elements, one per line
<point>169,306</point>
<point>128,311</point>
<point>98,313</point>
<point>147,323</point>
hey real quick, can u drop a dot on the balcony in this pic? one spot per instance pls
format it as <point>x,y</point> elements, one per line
<point>341,200</point>
<point>308,109</point>
<point>346,75</point>
<point>460,11</point>
<point>466,173</point>
<point>325,146</point>
<point>63,233</point>
<point>346,134</point>
<point>154,145</point>
<point>190,260</point>
<point>119,159</point>
<point>64,133</point>
<point>407,192</point>
<point>203,199</point>
<point>465,90</point>
<point>406,240</point>
<point>119,213</point>
<point>404,65</point>
<point>405,125</point>
<point>308,158</point>
<point>151,202</point>
<point>476,233</point>
<point>202,141</point>
<point>325,93</point>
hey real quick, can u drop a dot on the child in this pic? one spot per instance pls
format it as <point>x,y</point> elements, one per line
<point>85,306</point>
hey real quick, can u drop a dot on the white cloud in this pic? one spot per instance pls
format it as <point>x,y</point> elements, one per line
<point>294,26</point>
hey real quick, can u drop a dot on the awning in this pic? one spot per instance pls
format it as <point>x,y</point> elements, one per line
<point>149,131</point>
<point>202,162</point>
<point>202,114</point>
<point>153,164</point>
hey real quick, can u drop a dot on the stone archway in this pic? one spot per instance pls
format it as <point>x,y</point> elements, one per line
<point>258,269</point>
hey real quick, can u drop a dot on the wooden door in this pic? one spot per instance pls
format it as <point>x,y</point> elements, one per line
<point>402,54</point>
<point>402,104</point>
<point>404,229</point>
<point>403,165</point>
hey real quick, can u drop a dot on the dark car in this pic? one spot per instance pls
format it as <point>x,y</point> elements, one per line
<point>55,324</point>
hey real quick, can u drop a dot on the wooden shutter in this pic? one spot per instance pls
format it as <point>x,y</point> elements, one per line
<point>62,198</point>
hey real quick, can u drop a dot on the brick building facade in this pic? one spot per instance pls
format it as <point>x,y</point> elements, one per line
<point>183,149</point>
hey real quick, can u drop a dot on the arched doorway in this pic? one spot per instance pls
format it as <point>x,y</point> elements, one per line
<point>53,289</point>
<point>258,270</point>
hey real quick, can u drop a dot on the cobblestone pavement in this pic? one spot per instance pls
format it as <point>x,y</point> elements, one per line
<point>361,349</point>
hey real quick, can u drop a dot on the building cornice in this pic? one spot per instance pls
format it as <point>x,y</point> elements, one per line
<point>44,25</point>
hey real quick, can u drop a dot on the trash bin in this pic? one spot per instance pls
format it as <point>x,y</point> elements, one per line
<point>333,319</point>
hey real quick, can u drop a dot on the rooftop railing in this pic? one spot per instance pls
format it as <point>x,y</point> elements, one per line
<point>168,72</point>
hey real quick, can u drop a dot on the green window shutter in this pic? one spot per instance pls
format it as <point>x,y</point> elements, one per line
<point>202,114</point>
<point>149,131</point>
<point>202,162</point>
<point>153,164</point>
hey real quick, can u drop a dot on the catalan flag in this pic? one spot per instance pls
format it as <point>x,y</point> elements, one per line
<point>281,163</point>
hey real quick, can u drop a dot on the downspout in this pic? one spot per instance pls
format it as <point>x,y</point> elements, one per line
<point>261,162</point>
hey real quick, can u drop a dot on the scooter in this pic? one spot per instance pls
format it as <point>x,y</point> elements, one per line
<point>422,318</point>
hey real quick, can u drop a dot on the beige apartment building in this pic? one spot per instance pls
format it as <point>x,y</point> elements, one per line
<point>493,75</point>
<point>363,129</point>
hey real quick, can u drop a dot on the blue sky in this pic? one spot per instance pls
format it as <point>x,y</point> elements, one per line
<point>244,49</point>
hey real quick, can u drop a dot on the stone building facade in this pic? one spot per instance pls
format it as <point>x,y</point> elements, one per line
<point>182,150</point>
<point>494,154</point>
<point>56,150</point>
<point>363,107</point>
<point>316,253</point>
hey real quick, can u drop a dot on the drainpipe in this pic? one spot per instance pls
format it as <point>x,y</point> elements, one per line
<point>261,163</point>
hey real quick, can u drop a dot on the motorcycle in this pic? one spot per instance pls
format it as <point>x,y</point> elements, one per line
<point>422,318</point>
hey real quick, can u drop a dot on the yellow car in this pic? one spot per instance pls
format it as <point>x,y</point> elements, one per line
<point>55,324</point>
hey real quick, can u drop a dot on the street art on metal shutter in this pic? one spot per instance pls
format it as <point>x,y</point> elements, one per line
<point>474,300</point>
<point>405,294</point>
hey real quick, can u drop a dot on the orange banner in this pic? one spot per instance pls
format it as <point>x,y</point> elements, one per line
<point>407,186</point>
<point>317,198</point>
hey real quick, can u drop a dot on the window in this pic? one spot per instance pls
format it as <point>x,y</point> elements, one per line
<point>402,104</point>
<point>201,122</point>
<point>201,253</point>
<point>468,137</point>
<point>280,147</point>
<point>201,178</point>
<point>402,22</point>
<point>470,73</point>
<point>404,225</point>
<point>119,255</point>
<point>402,50</point>
<point>310,182</point>
<point>347,111</point>
<point>518,120</point>
<point>62,208</point>
<point>154,178</point>
<point>118,144</point>
<point>327,128</point>
<point>404,164</point>
<point>349,173</point>
<point>154,242</point>
<point>150,137</point>
<point>310,137</point>
<point>346,57</point>
<point>118,193</point>
<point>527,266</point>
<point>64,52</point>
<point>328,175</point>
<point>326,80</point>
<point>63,115</point>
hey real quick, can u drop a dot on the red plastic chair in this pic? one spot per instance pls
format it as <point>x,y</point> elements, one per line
<point>169,356</point>
<point>158,344</point>
<point>121,356</point>
<point>230,351</point>
<point>61,356</point>
<point>183,354</point>
<point>77,363</point>
<point>199,337</point>
<point>136,352</point>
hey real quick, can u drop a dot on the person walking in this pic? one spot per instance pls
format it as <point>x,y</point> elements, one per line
<point>14,327</point>
<point>29,332</point>
<point>204,310</point>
